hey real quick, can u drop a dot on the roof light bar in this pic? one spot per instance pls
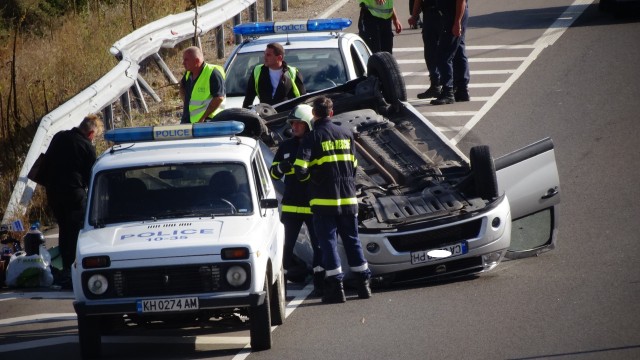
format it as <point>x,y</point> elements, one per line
<point>295,26</point>
<point>174,132</point>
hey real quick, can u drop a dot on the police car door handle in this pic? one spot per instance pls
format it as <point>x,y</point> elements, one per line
<point>550,193</point>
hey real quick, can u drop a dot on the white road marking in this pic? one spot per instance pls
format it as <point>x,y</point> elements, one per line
<point>550,36</point>
<point>471,47</point>
<point>472,85</point>
<point>14,295</point>
<point>473,72</point>
<point>471,60</point>
<point>299,297</point>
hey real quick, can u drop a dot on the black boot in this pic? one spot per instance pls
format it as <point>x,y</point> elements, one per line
<point>462,95</point>
<point>333,291</point>
<point>318,284</point>
<point>364,289</point>
<point>446,97</point>
<point>432,92</point>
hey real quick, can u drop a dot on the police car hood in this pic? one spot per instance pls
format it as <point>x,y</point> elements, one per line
<point>171,238</point>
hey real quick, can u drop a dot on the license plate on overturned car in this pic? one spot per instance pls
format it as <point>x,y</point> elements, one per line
<point>164,305</point>
<point>419,257</point>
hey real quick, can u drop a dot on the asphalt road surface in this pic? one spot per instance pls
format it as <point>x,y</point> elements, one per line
<point>539,68</point>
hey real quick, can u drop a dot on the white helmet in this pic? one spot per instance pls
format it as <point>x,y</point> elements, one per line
<point>302,112</point>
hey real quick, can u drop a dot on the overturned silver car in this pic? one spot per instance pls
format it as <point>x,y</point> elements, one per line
<point>425,209</point>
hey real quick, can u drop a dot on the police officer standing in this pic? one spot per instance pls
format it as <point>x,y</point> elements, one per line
<point>327,159</point>
<point>432,25</point>
<point>201,88</point>
<point>453,64</point>
<point>374,24</point>
<point>295,200</point>
<point>274,81</point>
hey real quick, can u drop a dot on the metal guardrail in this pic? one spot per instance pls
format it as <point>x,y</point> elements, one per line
<point>130,50</point>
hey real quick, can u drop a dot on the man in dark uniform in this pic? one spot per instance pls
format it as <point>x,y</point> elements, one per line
<point>274,81</point>
<point>295,200</point>
<point>453,64</point>
<point>327,159</point>
<point>69,160</point>
<point>431,28</point>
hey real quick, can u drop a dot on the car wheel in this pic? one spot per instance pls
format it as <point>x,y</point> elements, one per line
<point>253,125</point>
<point>89,336</point>
<point>484,172</point>
<point>385,67</point>
<point>279,292</point>
<point>260,321</point>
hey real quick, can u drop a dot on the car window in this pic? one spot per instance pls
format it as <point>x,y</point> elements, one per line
<point>169,191</point>
<point>360,55</point>
<point>320,68</point>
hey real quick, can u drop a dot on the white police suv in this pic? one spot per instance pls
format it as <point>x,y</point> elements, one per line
<point>324,54</point>
<point>181,225</point>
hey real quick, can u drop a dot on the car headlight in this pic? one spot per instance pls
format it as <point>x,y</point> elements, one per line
<point>236,276</point>
<point>98,284</point>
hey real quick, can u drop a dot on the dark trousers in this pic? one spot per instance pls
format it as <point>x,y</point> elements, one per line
<point>328,227</point>
<point>292,226</point>
<point>68,209</point>
<point>452,47</point>
<point>375,31</point>
<point>431,26</point>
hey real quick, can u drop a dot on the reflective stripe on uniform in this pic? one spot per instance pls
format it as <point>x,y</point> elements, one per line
<point>334,272</point>
<point>333,158</point>
<point>296,209</point>
<point>360,268</point>
<point>333,202</point>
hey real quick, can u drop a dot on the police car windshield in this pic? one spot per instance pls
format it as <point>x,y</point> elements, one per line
<point>320,68</point>
<point>169,191</point>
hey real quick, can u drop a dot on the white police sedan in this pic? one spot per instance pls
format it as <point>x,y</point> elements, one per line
<point>324,54</point>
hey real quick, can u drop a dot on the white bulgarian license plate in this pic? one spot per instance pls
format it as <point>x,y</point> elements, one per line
<point>164,305</point>
<point>419,257</point>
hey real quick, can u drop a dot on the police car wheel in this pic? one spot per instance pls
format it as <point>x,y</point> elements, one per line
<point>484,172</point>
<point>385,67</point>
<point>89,336</point>
<point>278,298</point>
<point>260,321</point>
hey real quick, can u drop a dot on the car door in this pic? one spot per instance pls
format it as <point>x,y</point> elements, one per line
<point>529,177</point>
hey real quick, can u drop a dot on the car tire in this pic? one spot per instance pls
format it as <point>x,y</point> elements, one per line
<point>260,321</point>
<point>484,172</point>
<point>278,299</point>
<point>253,124</point>
<point>89,336</point>
<point>385,67</point>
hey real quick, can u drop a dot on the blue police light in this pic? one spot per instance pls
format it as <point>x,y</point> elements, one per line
<point>174,132</point>
<point>295,26</point>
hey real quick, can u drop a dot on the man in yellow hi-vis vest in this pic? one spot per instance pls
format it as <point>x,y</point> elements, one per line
<point>374,24</point>
<point>274,81</point>
<point>201,88</point>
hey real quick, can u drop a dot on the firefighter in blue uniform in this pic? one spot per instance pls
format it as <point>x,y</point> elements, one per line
<point>327,160</point>
<point>295,200</point>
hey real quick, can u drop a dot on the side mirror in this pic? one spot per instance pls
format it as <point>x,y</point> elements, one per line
<point>269,203</point>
